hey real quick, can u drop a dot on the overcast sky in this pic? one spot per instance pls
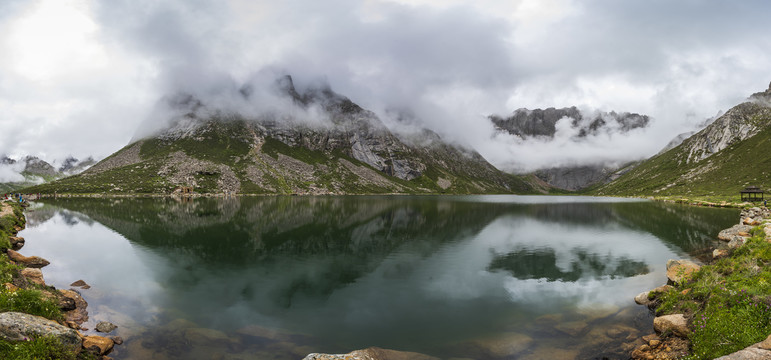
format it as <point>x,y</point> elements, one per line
<point>78,77</point>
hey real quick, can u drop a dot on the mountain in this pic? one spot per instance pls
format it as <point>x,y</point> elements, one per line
<point>542,123</point>
<point>720,160</point>
<point>317,142</point>
<point>31,170</point>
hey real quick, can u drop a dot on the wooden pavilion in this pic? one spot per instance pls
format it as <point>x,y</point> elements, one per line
<point>752,193</point>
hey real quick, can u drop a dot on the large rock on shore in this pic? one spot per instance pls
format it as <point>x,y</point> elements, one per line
<point>732,232</point>
<point>28,261</point>
<point>676,324</point>
<point>15,326</point>
<point>679,271</point>
<point>372,353</point>
<point>98,344</point>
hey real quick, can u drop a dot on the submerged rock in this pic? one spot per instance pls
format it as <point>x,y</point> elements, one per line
<point>15,326</point>
<point>372,353</point>
<point>504,345</point>
<point>105,327</point>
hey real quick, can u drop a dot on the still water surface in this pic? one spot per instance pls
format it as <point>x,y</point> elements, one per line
<point>483,277</point>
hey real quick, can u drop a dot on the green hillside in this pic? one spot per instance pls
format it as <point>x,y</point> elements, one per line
<point>719,176</point>
<point>236,157</point>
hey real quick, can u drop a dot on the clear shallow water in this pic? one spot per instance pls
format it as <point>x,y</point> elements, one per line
<point>279,277</point>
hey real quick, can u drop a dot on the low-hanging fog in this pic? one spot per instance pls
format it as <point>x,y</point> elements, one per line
<point>80,77</point>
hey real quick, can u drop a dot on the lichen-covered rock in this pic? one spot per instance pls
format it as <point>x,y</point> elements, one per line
<point>28,261</point>
<point>730,233</point>
<point>15,326</point>
<point>675,324</point>
<point>679,271</point>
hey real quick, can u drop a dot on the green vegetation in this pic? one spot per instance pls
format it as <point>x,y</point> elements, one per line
<point>717,178</point>
<point>27,300</point>
<point>39,349</point>
<point>728,302</point>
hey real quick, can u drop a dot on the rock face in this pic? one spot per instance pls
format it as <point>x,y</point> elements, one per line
<point>542,122</point>
<point>16,326</point>
<point>575,177</point>
<point>676,324</point>
<point>679,271</point>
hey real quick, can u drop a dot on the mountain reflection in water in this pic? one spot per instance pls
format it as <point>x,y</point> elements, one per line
<point>419,273</point>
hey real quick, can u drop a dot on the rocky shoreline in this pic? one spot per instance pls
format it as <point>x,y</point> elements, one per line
<point>19,326</point>
<point>670,340</point>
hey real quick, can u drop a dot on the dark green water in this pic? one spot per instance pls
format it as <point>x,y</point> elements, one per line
<point>279,277</point>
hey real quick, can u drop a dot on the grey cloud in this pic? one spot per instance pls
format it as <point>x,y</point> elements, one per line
<point>450,66</point>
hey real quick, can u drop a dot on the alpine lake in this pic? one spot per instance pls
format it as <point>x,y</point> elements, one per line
<point>279,277</point>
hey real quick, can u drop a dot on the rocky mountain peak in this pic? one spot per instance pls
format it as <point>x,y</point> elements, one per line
<point>542,122</point>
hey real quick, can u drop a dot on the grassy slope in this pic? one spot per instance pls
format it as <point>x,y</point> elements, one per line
<point>728,302</point>
<point>719,177</point>
<point>227,143</point>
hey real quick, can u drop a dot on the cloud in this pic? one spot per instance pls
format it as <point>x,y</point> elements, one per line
<point>11,172</point>
<point>450,63</point>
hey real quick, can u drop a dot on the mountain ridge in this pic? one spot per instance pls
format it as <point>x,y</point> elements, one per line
<point>322,143</point>
<point>718,161</point>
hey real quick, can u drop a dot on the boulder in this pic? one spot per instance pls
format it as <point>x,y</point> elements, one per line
<point>642,299</point>
<point>16,242</point>
<point>572,328</point>
<point>78,315</point>
<point>105,327</point>
<point>204,336</point>
<point>675,324</point>
<point>765,344</point>
<point>15,326</point>
<point>103,344</point>
<point>679,271</point>
<point>719,253</point>
<point>33,275</point>
<point>727,234</point>
<point>28,261</point>
<point>81,284</point>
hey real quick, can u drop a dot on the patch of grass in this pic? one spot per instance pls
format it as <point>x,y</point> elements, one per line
<point>729,302</point>
<point>47,348</point>
<point>30,302</point>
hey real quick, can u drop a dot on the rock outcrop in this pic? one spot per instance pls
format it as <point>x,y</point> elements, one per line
<point>15,326</point>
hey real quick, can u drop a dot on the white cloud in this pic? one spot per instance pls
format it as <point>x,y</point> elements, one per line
<point>79,76</point>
